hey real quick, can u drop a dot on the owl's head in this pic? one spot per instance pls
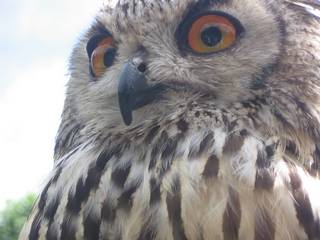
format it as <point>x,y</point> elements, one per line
<point>141,59</point>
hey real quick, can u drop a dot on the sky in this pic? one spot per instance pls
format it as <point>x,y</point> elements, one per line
<point>36,39</point>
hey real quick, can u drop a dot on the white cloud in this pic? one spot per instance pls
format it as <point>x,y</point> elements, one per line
<point>30,114</point>
<point>36,40</point>
<point>56,21</point>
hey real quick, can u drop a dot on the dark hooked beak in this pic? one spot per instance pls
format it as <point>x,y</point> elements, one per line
<point>134,91</point>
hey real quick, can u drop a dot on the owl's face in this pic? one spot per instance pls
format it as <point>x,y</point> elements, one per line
<point>146,57</point>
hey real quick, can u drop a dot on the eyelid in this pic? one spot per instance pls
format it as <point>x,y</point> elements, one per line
<point>97,48</point>
<point>182,31</point>
<point>94,41</point>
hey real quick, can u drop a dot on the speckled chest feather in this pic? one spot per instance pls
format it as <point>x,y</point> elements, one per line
<point>212,177</point>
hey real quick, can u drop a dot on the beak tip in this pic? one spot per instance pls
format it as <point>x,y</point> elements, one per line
<point>127,120</point>
<point>125,109</point>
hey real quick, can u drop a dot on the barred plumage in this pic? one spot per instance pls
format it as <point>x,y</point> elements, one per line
<point>221,146</point>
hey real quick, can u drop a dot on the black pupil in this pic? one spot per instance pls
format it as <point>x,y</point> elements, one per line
<point>109,57</point>
<point>211,36</point>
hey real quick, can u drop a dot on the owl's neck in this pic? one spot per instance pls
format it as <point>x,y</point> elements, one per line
<point>265,116</point>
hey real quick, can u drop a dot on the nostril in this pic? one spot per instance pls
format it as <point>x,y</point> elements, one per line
<point>142,67</point>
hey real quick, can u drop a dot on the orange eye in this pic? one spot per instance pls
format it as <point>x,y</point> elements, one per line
<point>102,56</point>
<point>212,33</point>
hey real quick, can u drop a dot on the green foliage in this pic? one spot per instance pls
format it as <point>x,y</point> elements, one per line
<point>13,217</point>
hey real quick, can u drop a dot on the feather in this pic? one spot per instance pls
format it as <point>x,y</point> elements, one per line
<point>310,6</point>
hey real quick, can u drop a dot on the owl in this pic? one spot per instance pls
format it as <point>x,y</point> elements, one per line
<point>189,119</point>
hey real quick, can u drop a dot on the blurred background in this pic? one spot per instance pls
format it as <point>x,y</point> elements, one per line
<point>36,39</point>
